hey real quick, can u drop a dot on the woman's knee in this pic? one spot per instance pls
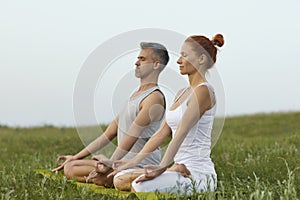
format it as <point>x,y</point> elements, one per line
<point>122,183</point>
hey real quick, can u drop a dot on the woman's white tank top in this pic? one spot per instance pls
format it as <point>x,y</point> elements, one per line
<point>195,150</point>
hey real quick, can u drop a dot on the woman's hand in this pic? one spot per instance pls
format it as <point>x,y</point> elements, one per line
<point>62,160</point>
<point>151,171</point>
<point>181,168</point>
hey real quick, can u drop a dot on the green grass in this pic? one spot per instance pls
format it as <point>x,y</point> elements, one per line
<point>256,157</point>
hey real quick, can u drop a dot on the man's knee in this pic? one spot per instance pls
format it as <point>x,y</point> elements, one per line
<point>68,170</point>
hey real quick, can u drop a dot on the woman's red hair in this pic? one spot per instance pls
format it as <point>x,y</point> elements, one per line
<point>202,42</point>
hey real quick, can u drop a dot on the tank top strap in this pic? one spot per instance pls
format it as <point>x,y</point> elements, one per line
<point>209,86</point>
<point>204,83</point>
<point>181,93</point>
<point>138,99</point>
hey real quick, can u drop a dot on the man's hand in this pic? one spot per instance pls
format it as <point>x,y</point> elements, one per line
<point>62,160</point>
<point>99,157</point>
<point>120,165</point>
<point>92,174</point>
<point>102,168</point>
<point>102,159</point>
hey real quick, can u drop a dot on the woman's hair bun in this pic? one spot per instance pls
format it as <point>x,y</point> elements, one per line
<point>218,40</point>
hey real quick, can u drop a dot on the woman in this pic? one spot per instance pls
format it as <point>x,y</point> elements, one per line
<point>190,120</point>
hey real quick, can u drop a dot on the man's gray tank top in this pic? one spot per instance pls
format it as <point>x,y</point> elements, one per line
<point>126,118</point>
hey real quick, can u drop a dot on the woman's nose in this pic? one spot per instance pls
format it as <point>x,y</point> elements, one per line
<point>179,60</point>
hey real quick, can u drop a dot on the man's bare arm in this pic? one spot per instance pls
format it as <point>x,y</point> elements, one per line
<point>152,109</point>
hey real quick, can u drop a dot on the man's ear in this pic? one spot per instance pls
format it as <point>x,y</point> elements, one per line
<point>156,65</point>
<point>202,59</point>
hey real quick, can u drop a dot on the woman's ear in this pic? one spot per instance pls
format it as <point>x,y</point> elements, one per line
<point>202,59</point>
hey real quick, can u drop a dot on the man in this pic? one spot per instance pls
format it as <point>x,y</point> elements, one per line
<point>140,118</point>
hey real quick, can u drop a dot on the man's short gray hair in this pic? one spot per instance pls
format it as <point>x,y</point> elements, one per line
<point>159,51</point>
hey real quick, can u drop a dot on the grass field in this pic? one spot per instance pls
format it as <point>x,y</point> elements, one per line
<point>256,157</point>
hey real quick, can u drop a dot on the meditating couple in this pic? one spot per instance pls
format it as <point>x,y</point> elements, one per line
<point>143,125</point>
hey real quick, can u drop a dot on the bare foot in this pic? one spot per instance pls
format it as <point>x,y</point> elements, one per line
<point>101,179</point>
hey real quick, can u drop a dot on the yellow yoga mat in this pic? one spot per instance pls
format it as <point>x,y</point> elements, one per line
<point>102,190</point>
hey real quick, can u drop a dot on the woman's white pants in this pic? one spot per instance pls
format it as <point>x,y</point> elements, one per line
<point>175,183</point>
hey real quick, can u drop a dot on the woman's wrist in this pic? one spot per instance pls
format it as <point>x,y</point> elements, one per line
<point>164,164</point>
<point>163,167</point>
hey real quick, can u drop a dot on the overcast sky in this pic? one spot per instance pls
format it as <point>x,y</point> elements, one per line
<point>43,45</point>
